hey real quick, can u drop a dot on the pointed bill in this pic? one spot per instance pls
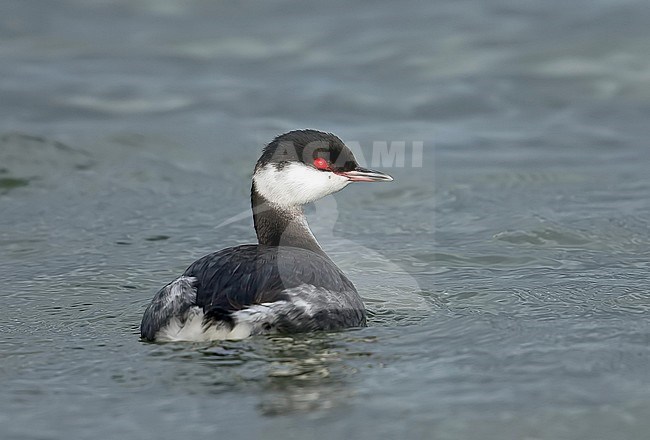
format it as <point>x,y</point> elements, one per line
<point>364,175</point>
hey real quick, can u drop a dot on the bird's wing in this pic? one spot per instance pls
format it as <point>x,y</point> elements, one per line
<point>235,278</point>
<point>172,301</point>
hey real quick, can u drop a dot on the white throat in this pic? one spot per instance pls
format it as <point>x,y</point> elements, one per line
<point>296,184</point>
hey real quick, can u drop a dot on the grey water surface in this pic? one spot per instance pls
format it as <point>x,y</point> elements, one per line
<point>507,272</point>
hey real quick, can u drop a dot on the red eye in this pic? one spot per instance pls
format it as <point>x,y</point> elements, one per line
<point>321,164</point>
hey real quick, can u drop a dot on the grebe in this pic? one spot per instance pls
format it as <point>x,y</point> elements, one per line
<point>284,284</point>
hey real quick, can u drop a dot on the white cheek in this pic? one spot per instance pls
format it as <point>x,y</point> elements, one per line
<point>296,184</point>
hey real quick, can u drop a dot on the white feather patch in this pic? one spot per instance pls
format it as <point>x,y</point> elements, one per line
<point>296,184</point>
<point>304,302</point>
<point>249,321</point>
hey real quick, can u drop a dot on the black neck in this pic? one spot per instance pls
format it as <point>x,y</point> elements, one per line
<point>281,226</point>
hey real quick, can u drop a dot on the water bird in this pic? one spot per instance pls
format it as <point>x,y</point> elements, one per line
<point>284,284</point>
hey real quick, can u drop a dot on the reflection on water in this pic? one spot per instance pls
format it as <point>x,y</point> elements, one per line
<point>288,373</point>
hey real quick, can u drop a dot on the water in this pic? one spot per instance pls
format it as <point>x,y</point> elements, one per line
<point>506,277</point>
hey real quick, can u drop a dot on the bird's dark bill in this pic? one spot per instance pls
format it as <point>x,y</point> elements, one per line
<point>364,175</point>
